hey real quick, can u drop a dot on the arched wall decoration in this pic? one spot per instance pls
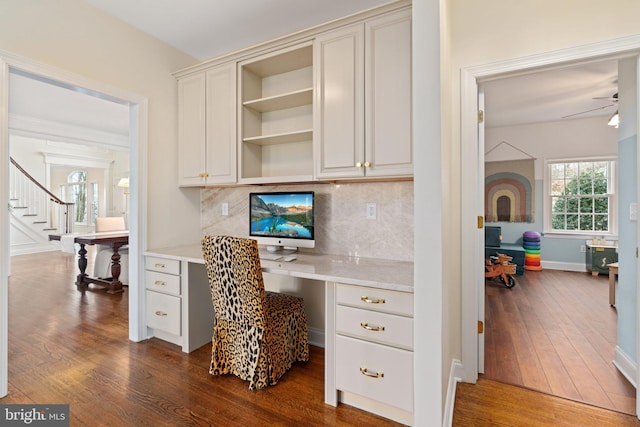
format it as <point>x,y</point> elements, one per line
<point>504,187</point>
<point>515,180</point>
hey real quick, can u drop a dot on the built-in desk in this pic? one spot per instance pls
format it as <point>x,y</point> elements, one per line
<point>368,319</point>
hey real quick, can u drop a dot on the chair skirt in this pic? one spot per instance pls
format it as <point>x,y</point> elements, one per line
<point>263,355</point>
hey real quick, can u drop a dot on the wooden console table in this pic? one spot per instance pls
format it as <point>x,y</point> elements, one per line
<point>116,241</point>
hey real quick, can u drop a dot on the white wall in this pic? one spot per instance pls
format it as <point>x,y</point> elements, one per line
<point>549,140</point>
<point>76,37</point>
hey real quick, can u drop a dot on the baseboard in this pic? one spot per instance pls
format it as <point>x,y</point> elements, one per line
<point>566,266</point>
<point>316,337</point>
<point>455,376</point>
<point>626,366</point>
<point>33,248</point>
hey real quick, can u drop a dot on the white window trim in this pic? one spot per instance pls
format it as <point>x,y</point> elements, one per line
<point>613,207</point>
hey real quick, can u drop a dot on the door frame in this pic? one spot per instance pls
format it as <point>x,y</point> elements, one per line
<point>138,125</point>
<point>472,286</point>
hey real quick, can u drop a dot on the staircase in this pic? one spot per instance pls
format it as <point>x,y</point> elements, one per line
<point>35,213</point>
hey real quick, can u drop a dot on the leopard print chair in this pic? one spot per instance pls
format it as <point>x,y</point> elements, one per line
<point>257,335</point>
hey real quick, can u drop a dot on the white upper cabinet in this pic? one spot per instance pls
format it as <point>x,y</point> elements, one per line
<point>275,130</point>
<point>332,102</point>
<point>363,99</point>
<point>207,127</point>
<point>339,107</point>
<point>191,130</point>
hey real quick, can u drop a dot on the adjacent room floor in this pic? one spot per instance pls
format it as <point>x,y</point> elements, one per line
<point>555,332</point>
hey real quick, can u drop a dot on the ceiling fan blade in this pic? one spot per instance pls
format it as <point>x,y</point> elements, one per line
<point>588,111</point>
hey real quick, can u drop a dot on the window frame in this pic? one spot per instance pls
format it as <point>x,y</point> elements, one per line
<point>612,194</point>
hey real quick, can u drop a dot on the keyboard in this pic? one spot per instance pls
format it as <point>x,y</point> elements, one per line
<point>270,256</point>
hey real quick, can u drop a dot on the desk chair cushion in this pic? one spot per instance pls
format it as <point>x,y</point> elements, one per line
<point>257,335</point>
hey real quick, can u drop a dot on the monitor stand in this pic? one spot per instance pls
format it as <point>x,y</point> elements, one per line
<point>276,252</point>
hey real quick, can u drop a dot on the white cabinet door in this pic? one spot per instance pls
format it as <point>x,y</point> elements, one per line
<point>388,144</point>
<point>207,127</point>
<point>339,103</point>
<point>191,130</point>
<point>221,125</point>
<point>363,102</point>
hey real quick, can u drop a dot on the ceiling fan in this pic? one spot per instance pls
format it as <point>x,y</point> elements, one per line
<point>613,99</point>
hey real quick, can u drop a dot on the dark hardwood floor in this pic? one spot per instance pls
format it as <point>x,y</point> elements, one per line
<point>72,348</point>
<point>492,403</point>
<point>555,332</point>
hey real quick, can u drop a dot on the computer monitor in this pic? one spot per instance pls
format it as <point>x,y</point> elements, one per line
<point>282,220</point>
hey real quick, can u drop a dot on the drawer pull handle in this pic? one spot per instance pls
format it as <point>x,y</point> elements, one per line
<point>160,313</point>
<point>158,265</point>
<point>160,283</point>
<point>372,301</point>
<point>364,371</point>
<point>371,328</point>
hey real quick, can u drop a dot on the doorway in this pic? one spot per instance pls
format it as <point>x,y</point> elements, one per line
<point>137,110</point>
<point>554,331</point>
<point>472,178</point>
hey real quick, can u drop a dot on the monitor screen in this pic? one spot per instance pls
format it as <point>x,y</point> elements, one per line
<point>282,218</point>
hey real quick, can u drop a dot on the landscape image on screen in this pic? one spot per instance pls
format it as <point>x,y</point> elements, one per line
<point>287,215</point>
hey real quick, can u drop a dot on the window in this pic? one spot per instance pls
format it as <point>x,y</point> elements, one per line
<point>77,184</point>
<point>85,197</point>
<point>580,197</point>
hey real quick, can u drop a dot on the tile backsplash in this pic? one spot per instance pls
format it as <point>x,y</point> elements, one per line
<point>341,226</point>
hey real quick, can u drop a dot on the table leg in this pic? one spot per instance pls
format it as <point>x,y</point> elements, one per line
<point>82,265</point>
<point>116,285</point>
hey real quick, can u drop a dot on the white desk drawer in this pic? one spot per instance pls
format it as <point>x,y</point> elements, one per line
<point>171,266</point>
<point>162,282</point>
<point>163,312</point>
<point>375,299</point>
<point>387,376</point>
<point>374,326</point>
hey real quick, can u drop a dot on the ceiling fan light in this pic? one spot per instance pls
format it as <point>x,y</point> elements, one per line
<point>614,120</point>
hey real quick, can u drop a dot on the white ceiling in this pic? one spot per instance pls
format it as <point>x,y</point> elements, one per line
<point>40,100</point>
<point>552,95</point>
<point>206,28</point>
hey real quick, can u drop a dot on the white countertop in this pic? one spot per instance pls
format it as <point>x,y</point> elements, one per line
<point>377,273</point>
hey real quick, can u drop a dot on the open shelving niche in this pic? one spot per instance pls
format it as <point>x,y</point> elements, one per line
<point>276,116</point>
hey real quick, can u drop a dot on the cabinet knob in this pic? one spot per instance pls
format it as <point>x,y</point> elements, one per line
<point>364,371</point>
<point>359,164</point>
<point>367,164</point>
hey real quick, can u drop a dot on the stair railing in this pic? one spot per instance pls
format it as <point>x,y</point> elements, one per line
<point>36,198</point>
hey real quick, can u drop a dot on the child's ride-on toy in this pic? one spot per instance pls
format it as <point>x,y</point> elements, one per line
<point>500,266</point>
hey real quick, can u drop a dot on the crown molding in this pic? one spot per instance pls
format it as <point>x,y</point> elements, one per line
<point>39,128</point>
